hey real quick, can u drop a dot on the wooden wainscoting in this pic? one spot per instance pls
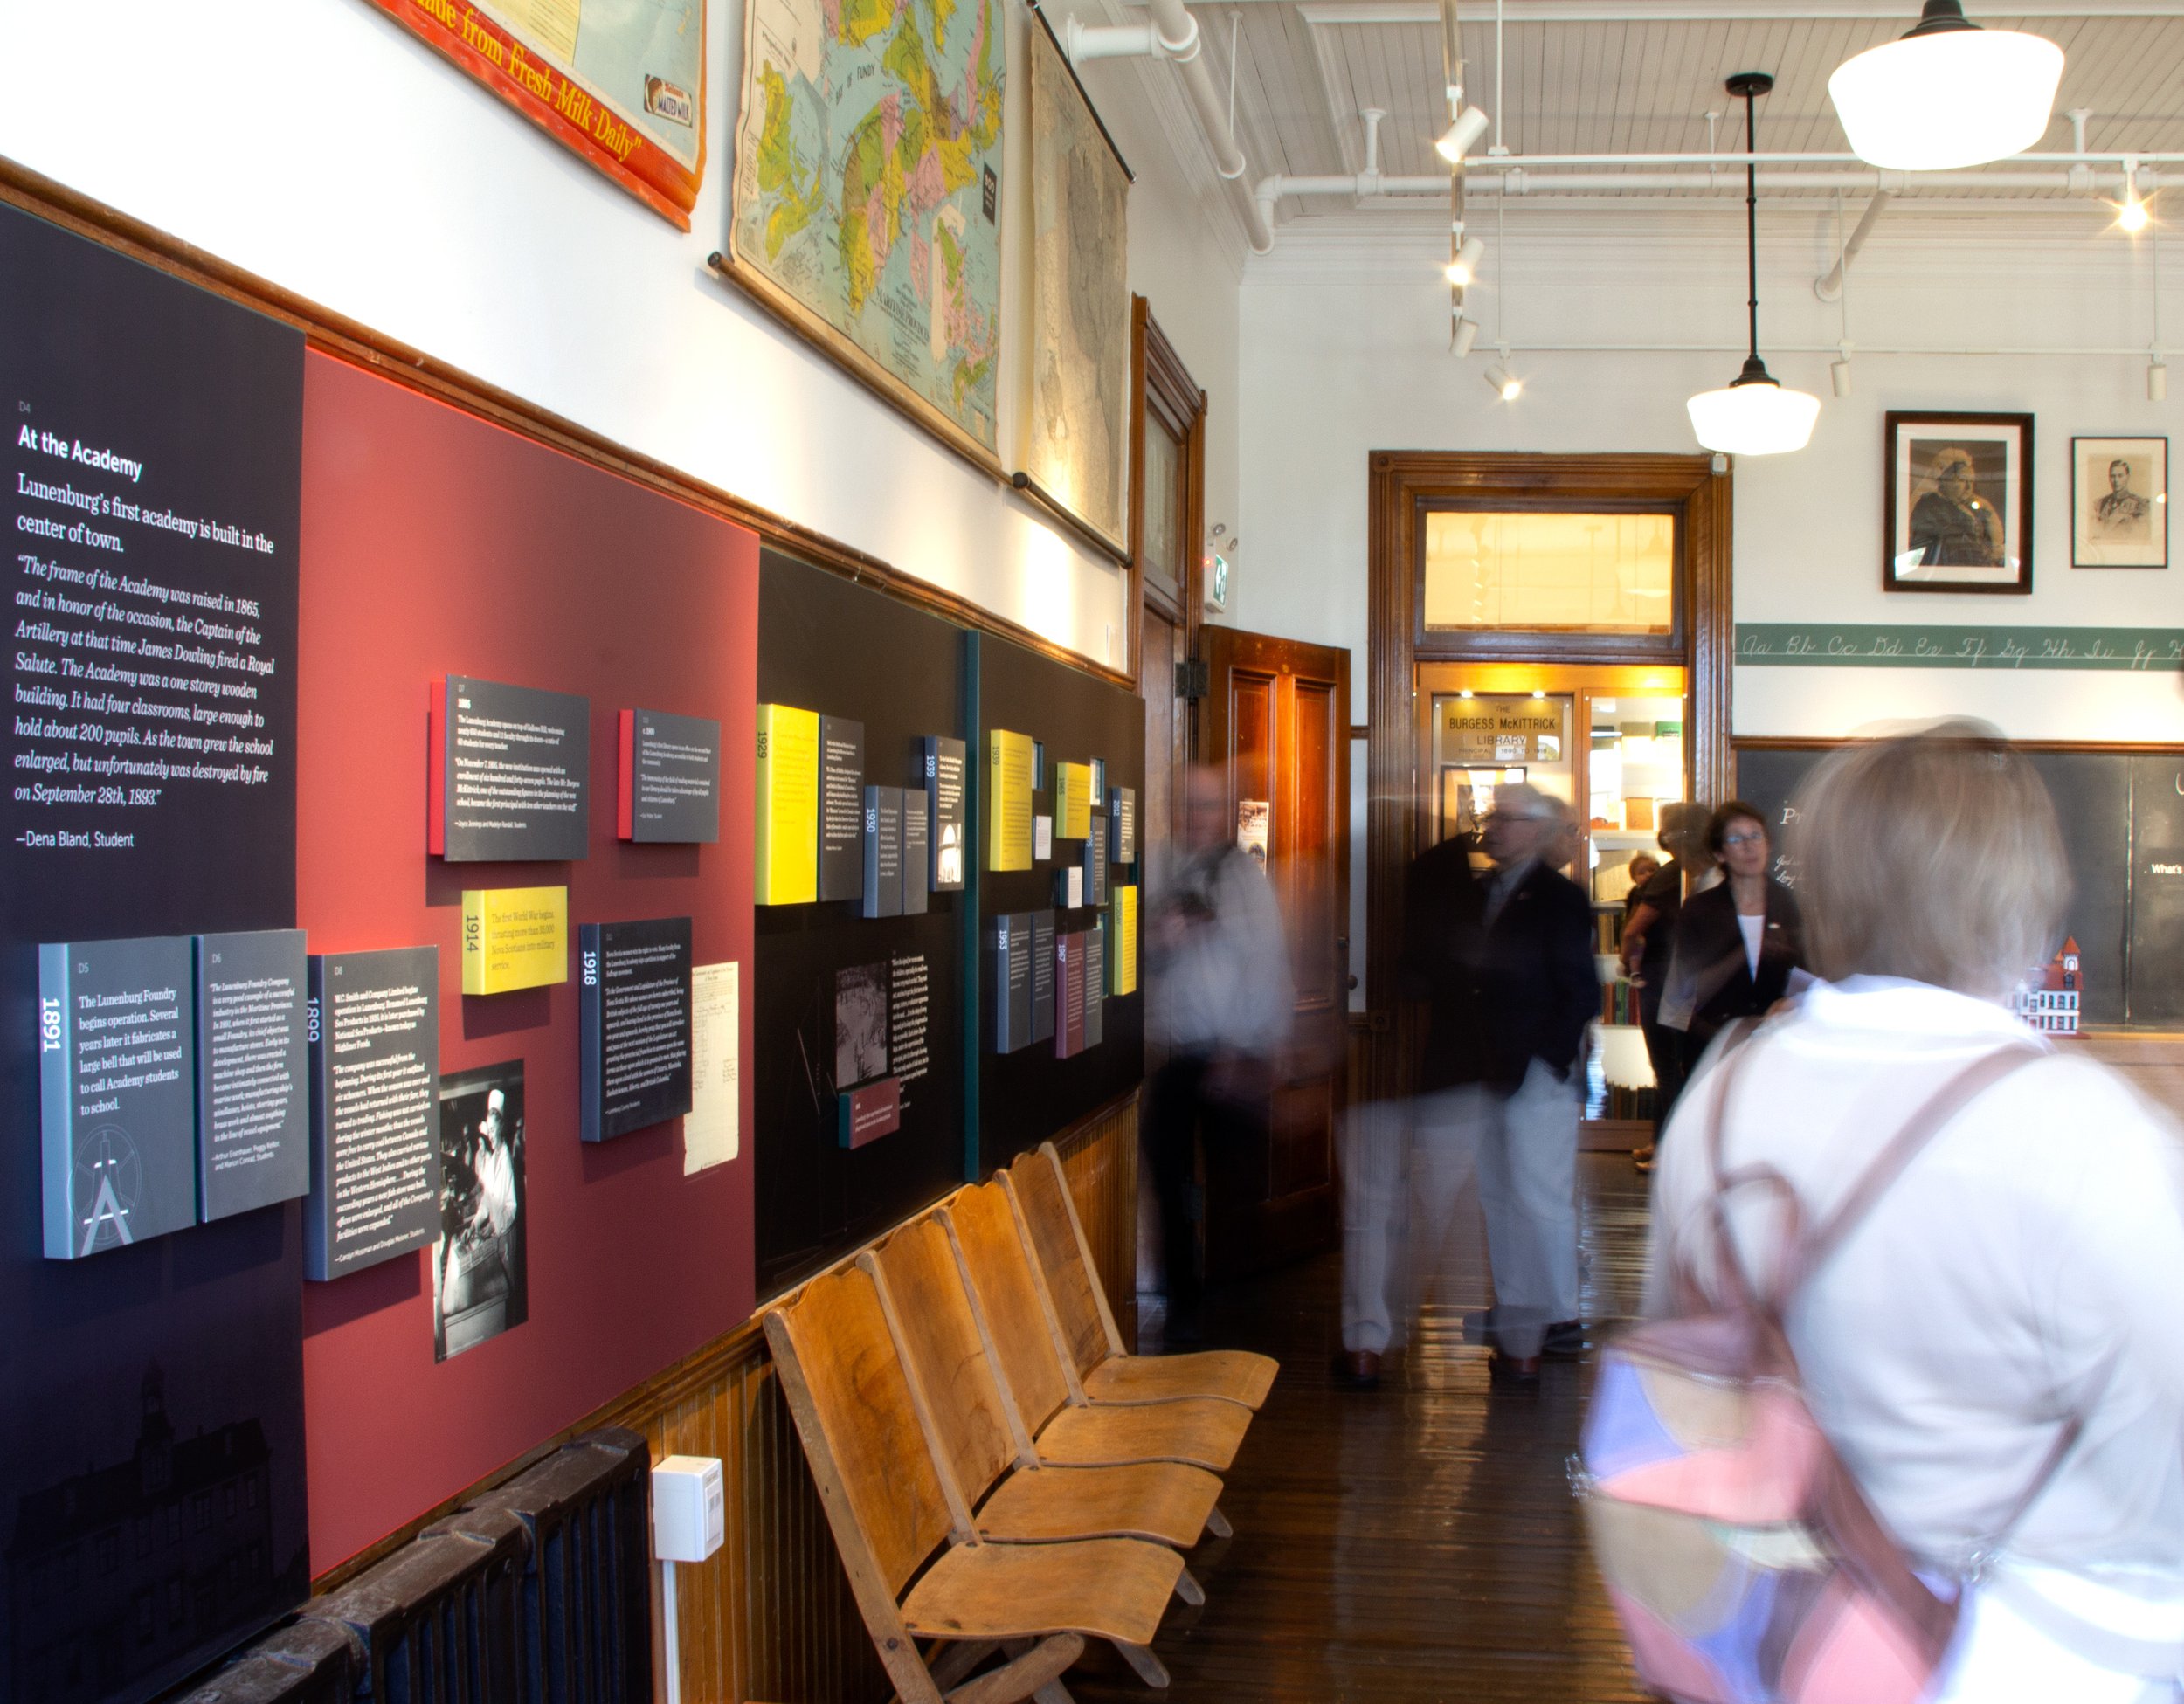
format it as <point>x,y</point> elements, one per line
<point>770,1616</point>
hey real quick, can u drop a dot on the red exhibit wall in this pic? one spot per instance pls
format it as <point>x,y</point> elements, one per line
<point>433,543</point>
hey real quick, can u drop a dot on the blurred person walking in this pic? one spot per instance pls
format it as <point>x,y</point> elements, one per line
<point>1740,945</point>
<point>1650,918</point>
<point>1405,1163</point>
<point>1538,992</point>
<point>1219,998</point>
<point>1993,1348</point>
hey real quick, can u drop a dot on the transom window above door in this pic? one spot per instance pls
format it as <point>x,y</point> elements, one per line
<point>1544,571</point>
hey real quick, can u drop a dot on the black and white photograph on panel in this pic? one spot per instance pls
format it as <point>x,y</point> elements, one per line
<point>479,1282</point>
<point>860,1024</point>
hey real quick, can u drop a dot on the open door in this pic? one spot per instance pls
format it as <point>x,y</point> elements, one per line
<point>1276,715</point>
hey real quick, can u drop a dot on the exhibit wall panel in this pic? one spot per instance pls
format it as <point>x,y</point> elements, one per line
<point>848,652</point>
<point>405,197</point>
<point>1030,1093</point>
<point>435,543</point>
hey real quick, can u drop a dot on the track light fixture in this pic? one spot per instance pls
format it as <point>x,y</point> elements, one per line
<point>1464,268</point>
<point>2130,213</point>
<point>1948,93</point>
<point>1465,334</point>
<point>1459,138</point>
<point>1753,415</point>
<point>2157,380</point>
<point>1506,384</point>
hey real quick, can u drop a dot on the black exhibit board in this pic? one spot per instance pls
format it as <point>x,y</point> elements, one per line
<point>2122,816</point>
<point>634,1025</point>
<point>857,1041</point>
<point>374,1037</point>
<point>154,436</point>
<point>1035,1090</point>
<point>669,778</point>
<point>510,769</point>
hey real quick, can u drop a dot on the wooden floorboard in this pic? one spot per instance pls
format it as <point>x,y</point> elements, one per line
<point>1414,1543</point>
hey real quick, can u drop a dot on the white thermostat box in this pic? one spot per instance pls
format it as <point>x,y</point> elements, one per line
<point>689,1508</point>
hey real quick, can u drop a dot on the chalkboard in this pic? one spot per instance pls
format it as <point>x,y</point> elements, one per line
<point>2122,816</point>
<point>845,650</point>
<point>1028,1095</point>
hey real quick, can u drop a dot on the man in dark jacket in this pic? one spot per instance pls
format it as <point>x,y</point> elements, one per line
<point>1504,968</point>
<point>1537,991</point>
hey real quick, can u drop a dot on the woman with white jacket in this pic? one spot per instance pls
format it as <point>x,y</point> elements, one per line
<point>2025,1271</point>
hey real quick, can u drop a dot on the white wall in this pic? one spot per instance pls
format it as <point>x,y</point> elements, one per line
<point>1345,353</point>
<point>1340,360</point>
<point>322,146</point>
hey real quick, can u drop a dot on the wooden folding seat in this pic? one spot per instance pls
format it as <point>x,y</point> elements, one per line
<point>916,1566</point>
<point>968,1417</point>
<point>1106,1371</point>
<point>1066,1430</point>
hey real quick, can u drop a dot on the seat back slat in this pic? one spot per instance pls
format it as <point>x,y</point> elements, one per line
<point>857,1392</point>
<point>941,1341</point>
<point>1006,1292</point>
<point>1071,1281</point>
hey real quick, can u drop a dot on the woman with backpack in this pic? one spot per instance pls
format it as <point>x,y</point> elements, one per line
<point>1958,1250</point>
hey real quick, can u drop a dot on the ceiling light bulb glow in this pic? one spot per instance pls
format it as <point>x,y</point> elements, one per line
<point>1457,141</point>
<point>1464,269</point>
<point>1753,417</point>
<point>1948,95</point>
<point>2131,214</point>
<point>1505,383</point>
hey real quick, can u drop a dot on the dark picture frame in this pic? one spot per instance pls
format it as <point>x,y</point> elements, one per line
<point>2124,526</point>
<point>1957,510</point>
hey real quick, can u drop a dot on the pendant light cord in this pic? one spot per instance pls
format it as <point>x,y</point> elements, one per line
<point>1752,215</point>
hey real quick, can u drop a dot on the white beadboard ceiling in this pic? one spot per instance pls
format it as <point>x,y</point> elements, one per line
<point>1634,76</point>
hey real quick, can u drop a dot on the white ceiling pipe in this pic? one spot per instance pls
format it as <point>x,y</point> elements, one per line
<point>1172,33</point>
<point>1828,285</point>
<point>1520,182</point>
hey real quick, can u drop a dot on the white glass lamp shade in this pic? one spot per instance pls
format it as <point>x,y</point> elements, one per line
<point>1753,417</point>
<point>1956,97</point>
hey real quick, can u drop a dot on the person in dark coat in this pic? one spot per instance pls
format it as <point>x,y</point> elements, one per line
<point>1649,944</point>
<point>1504,968</point>
<point>1740,946</point>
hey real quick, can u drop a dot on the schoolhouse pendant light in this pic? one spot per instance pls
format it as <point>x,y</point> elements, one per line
<point>1753,415</point>
<point>1948,93</point>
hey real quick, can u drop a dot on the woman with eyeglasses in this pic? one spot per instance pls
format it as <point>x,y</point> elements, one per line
<point>1739,945</point>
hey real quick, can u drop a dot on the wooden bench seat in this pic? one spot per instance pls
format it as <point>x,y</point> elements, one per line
<point>915,1563</point>
<point>969,1418</point>
<point>1065,1428</point>
<point>1105,1370</point>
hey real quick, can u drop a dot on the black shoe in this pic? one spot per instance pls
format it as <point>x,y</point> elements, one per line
<point>1566,1341</point>
<point>1513,1369</point>
<point>1356,1369</point>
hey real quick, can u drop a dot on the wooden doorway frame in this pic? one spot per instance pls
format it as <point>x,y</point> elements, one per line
<point>1162,386</point>
<point>1404,485</point>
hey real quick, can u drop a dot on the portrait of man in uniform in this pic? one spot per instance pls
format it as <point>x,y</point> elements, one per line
<point>2119,502</point>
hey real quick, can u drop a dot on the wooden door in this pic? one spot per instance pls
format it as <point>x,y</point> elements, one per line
<point>1276,716</point>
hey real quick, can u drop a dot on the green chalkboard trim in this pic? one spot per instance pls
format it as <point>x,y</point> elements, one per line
<point>1813,644</point>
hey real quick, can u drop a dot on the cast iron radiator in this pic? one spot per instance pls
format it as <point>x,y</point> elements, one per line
<point>537,1592</point>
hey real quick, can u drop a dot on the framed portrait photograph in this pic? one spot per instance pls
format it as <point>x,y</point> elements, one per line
<point>1958,510</point>
<point>2119,502</point>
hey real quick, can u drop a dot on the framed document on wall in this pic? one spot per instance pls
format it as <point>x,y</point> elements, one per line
<point>2119,502</point>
